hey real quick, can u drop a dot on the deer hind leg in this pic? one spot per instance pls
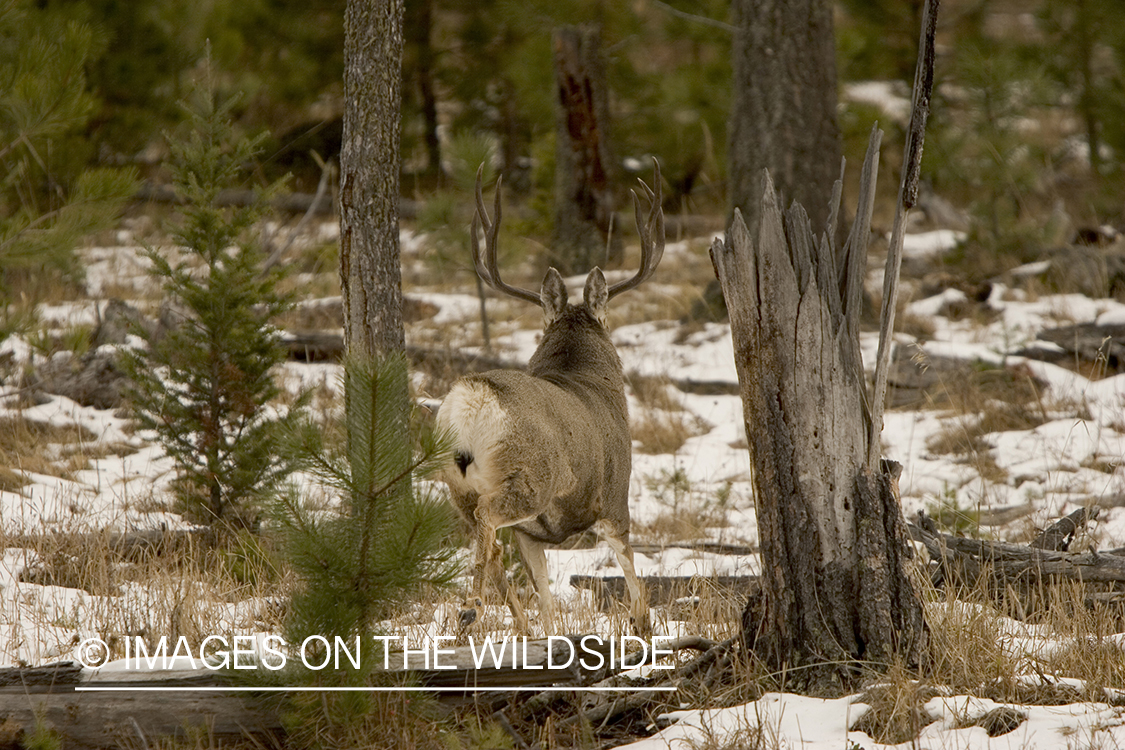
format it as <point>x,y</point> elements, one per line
<point>638,598</point>
<point>531,552</point>
<point>488,567</point>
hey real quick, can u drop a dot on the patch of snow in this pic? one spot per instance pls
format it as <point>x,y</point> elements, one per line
<point>929,244</point>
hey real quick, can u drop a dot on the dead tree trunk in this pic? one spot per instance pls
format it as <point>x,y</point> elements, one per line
<point>835,584</point>
<point>584,162</point>
<point>835,588</point>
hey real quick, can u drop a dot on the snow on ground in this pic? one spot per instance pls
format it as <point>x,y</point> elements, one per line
<point>784,720</point>
<point>1051,469</point>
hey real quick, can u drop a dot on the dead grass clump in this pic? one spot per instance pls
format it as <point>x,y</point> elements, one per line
<point>654,392</point>
<point>11,734</point>
<point>658,431</point>
<point>40,447</point>
<point>681,524</point>
<point>965,439</point>
<point>990,400</point>
<point>919,327</point>
<point>972,387</point>
<point>997,722</point>
<point>688,512</point>
<point>11,480</point>
<point>1089,630</point>
<point>897,711</point>
<point>964,651</point>
<point>706,607</point>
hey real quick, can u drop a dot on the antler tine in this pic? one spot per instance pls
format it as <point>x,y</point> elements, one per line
<point>486,267</point>
<point>651,232</point>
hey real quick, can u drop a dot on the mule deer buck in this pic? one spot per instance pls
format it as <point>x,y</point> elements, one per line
<point>548,451</point>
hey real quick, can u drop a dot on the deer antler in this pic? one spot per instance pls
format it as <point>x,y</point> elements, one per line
<point>652,235</point>
<point>486,266</point>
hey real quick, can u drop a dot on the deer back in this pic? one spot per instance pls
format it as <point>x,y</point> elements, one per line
<point>553,442</point>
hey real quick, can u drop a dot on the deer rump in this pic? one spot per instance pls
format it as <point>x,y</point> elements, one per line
<point>542,451</point>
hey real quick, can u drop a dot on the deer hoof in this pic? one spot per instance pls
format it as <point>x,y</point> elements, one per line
<point>469,611</point>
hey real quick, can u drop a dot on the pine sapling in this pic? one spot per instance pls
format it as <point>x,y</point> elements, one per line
<point>206,384</point>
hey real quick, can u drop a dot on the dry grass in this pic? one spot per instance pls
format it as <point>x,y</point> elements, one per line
<point>189,586</point>
<point>662,424</point>
<point>986,400</point>
<point>29,446</point>
<point>654,391</point>
<point>688,513</point>
<point>656,431</point>
<point>964,439</point>
<point>966,655</point>
<point>897,707</point>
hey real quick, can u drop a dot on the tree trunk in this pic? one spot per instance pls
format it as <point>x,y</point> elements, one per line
<point>584,162</point>
<point>783,110</point>
<point>370,271</point>
<point>1088,100</point>
<point>835,588</point>
<point>419,22</point>
<point>370,266</point>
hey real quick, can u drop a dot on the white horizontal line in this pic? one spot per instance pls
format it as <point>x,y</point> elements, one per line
<point>341,689</point>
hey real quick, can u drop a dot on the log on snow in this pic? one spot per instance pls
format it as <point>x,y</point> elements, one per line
<point>1015,563</point>
<point>608,590</point>
<point>89,718</point>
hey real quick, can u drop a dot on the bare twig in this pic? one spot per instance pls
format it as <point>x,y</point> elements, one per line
<point>328,169</point>
<point>907,196</point>
<point>713,23</point>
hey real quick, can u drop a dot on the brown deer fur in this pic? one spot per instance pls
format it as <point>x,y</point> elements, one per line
<point>548,451</point>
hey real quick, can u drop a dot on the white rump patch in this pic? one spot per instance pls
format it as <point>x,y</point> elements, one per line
<point>477,423</point>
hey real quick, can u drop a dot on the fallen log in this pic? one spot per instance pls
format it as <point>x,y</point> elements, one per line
<point>718,548</point>
<point>712,665</point>
<point>662,590</point>
<point>1060,534</point>
<point>1091,342</point>
<point>45,697</point>
<point>104,708</point>
<point>967,560</point>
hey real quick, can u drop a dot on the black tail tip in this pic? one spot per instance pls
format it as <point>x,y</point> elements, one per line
<point>463,460</point>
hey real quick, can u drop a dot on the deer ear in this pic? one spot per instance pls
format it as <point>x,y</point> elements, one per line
<point>596,295</point>
<point>552,296</point>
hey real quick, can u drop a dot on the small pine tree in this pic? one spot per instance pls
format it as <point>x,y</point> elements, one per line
<point>205,385</point>
<point>388,540</point>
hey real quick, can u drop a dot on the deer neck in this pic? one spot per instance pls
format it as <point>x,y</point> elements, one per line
<point>578,356</point>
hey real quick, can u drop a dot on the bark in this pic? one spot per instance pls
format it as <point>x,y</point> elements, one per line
<point>783,110</point>
<point>835,585</point>
<point>584,161</point>
<point>370,272</point>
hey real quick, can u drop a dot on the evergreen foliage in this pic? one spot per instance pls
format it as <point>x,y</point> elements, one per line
<point>205,385</point>
<point>48,199</point>
<point>388,538</point>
